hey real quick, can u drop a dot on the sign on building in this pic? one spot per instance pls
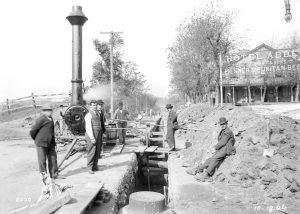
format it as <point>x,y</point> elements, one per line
<point>262,66</point>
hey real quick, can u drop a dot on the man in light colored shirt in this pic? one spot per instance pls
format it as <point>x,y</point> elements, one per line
<point>94,127</point>
<point>121,115</point>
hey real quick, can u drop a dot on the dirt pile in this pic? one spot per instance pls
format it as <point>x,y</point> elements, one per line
<point>278,176</point>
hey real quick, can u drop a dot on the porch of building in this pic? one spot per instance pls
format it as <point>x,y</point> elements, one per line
<point>240,94</point>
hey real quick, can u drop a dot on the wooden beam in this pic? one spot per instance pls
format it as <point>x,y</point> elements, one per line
<point>68,152</point>
<point>82,198</point>
<point>157,133</point>
<point>156,139</point>
<point>46,206</point>
<point>151,148</point>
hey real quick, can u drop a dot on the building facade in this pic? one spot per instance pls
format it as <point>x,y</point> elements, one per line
<point>263,74</point>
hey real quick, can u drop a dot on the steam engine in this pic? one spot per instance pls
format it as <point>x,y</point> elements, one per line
<point>74,115</point>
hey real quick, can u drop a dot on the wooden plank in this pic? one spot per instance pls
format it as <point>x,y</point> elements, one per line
<point>157,133</point>
<point>151,148</point>
<point>82,198</point>
<point>117,149</point>
<point>46,206</point>
<point>162,150</point>
<point>141,149</point>
<point>156,139</point>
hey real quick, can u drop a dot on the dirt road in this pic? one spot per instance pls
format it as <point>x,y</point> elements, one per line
<point>19,177</point>
<point>285,109</point>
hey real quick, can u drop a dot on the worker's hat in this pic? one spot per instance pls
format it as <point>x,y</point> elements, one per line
<point>100,102</point>
<point>168,106</point>
<point>222,120</point>
<point>47,107</point>
<point>93,101</point>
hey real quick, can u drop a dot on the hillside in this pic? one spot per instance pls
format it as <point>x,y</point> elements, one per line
<point>277,176</point>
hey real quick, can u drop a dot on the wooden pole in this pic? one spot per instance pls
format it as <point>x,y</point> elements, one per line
<point>7,104</point>
<point>68,152</point>
<point>221,80</point>
<point>249,94</point>
<point>33,103</point>
<point>111,71</point>
<point>233,96</point>
<point>292,94</point>
<point>276,93</point>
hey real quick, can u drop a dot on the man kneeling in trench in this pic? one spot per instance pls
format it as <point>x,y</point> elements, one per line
<point>224,147</point>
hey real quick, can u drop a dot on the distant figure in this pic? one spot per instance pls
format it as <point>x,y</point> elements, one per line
<point>228,97</point>
<point>224,147</point>
<point>42,132</point>
<point>172,126</point>
<point>121,115</point>
<point>150,113</point>
<point>94,127</point>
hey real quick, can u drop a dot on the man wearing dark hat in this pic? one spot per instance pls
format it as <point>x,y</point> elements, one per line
<point>42,132</point>
<point>94,129</point>
<point>121,115</point>
<point>172,126</point>
<point>224,147</point>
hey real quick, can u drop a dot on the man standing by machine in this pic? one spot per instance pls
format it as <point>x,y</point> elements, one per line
<point>172,126</point>
<point>42,132</point>
<point>94,126</point>
<point>121,115</point>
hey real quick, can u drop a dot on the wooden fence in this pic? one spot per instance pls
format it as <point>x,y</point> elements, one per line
<point>31,102</point>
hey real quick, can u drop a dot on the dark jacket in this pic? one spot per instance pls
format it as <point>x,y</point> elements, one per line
<point>172,126</point>
<point>42,132</point>
<point>226,142</point>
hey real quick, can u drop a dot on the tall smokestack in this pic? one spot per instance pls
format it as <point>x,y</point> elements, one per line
<point>77,20</point>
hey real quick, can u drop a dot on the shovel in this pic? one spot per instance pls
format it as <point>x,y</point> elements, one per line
<point>268,152</point>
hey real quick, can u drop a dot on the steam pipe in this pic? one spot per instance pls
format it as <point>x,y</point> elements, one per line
<point>77,20</point>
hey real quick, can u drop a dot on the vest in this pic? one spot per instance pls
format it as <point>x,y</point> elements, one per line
<point>96,123</point>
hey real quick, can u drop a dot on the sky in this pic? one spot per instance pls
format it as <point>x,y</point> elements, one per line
<point>36,38</point>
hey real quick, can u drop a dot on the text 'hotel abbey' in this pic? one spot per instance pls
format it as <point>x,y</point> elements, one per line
<point>263,74</point>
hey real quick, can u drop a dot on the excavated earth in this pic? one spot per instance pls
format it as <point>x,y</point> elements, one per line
<point>275,179</point>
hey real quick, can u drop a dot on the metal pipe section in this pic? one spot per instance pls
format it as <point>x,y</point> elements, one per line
<point>77,20</point>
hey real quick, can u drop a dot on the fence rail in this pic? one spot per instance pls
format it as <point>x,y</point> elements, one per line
<point>32,101</point>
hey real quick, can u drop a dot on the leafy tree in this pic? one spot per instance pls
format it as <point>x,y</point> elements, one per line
<point>128,82</point>
<point>194,57</point>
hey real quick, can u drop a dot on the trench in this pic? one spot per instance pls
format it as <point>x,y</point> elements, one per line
<point>151,175</point>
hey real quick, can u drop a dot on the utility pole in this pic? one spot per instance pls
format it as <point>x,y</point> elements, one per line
<point>221,79</point>
<point>111,71</point>
<point>136,101</point>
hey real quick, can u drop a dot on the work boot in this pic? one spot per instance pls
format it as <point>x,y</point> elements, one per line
<point>203,177</point>
<point>191,171</point>
<point>96,168</point>
<point>91,172</point>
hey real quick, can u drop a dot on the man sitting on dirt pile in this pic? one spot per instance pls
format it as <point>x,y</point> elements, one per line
<point>224,147</point>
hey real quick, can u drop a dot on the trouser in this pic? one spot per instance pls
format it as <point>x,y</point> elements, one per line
<point>122,132</point>
<point>211,163</point>
<point>44,153</point>
<point>170,137</point>
<point>93,152</point>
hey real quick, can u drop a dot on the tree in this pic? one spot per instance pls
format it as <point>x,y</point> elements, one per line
<point>194,56</point>
<point>128,81</point>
